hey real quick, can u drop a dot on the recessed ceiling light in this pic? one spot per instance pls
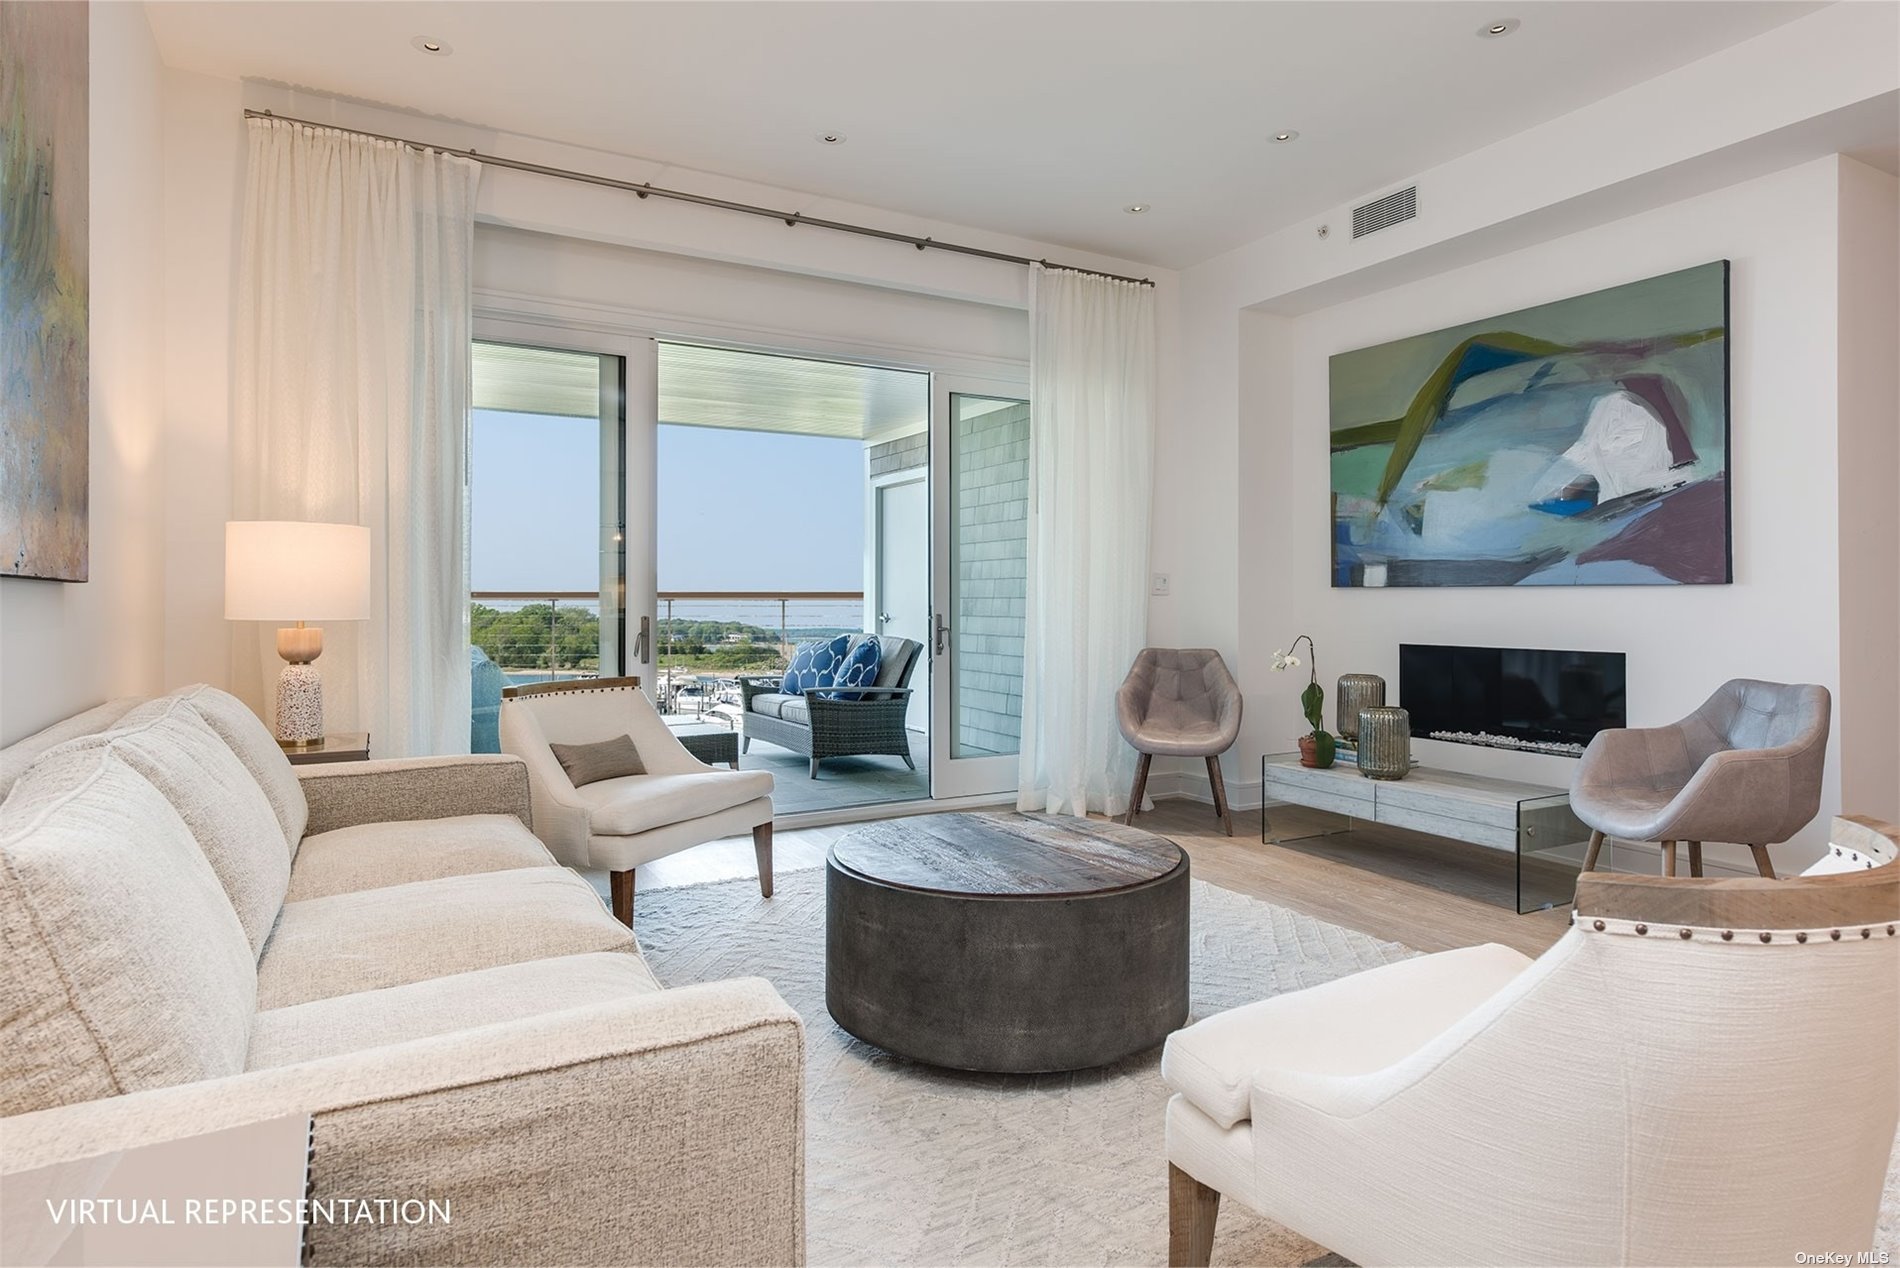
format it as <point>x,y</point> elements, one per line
<point>1136,209</point>
<point>434,48</point>
<point>1281,138</point>
<point>1499,29</point>
<point>830,138</point>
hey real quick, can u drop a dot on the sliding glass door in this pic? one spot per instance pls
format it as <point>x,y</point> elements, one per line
<point>549,546</point>
<point>979,583</point>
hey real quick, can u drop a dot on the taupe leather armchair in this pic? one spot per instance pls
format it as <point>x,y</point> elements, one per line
<point>1745,767</point>
<point>1179,702</point>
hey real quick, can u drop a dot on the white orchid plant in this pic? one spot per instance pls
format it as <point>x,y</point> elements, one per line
<point>1313,698</point>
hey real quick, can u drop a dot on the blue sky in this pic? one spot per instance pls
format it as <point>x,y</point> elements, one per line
<point>737,510</point>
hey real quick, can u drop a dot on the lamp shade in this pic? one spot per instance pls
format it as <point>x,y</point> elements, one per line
<point>285,570</point>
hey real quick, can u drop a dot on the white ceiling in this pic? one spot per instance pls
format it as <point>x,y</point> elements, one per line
<point>1040,119</point>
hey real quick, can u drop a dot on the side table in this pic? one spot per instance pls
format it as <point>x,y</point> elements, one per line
<point>349,746</point>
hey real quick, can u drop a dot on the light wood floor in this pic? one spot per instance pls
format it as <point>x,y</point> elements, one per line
<point>1382,890</point>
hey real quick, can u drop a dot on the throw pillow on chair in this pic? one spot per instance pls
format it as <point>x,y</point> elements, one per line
<point>813,664</point>
<point>859,669</point>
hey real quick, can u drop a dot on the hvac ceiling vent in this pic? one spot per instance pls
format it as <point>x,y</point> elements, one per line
<point>1383,213</point>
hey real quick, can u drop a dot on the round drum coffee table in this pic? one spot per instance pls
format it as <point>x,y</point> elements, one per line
<point>1007,942</point>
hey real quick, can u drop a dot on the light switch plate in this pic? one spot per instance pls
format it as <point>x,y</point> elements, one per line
<point>1159,585</point>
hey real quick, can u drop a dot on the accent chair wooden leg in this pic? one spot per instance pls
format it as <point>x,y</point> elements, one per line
<point>622,885</point>
<point>1596,848</point>
<point>1219,782</point>
<point>1669,858</point>
<point>1140,790</point>
<point>1695,858</point>
<point>1192,1210</point>
<point>762,847</point>
<point>1762,864</point>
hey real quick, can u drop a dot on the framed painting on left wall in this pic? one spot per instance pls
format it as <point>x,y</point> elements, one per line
<point>44,414</point>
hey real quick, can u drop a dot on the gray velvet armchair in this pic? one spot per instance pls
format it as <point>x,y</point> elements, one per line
<point>1179,702</point>
<point>1745,767</point>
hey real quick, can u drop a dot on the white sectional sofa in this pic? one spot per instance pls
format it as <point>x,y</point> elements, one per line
<point>199,936</point>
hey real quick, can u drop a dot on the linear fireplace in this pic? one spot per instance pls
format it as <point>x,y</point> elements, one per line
<point>1532,699</point>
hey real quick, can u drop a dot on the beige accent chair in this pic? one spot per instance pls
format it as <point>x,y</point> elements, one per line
<point>199,936</point>
<point>618,824</point>
<point>1745,767</point>
<point>1642,1093</point>
<point>1179,702</point>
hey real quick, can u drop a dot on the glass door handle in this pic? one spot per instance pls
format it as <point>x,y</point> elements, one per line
<point>943,633</point>
<point>883,618</point>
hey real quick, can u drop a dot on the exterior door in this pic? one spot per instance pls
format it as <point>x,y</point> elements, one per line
<point>979,437</point>
<point>903,580</point>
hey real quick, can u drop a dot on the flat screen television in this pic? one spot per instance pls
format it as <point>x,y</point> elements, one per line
<point>1511,697</point>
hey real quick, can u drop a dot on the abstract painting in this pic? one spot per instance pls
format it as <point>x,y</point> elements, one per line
<point>44,419</point>
<point>1578,443</point>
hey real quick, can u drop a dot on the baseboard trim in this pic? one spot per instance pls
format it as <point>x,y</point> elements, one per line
<point>890,810</point>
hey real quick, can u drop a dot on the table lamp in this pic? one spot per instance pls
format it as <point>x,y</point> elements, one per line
<point>286,571</point>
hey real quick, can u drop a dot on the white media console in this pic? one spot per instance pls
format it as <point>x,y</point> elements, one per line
<point>1532,822</point>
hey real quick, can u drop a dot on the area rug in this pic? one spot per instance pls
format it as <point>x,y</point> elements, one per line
<point>907,1164</point>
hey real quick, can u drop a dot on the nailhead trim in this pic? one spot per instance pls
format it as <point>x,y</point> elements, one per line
<point>1800,937</point>
<point>1835,934</point>
<point>1766,936</point>
<point>1685,934</point>
<point>1642,928</point>
<point>1598,926</point>
<point>1728,935</point>
<point>1866,933</point>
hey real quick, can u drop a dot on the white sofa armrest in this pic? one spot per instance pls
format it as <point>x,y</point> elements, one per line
<point>665,1128</point>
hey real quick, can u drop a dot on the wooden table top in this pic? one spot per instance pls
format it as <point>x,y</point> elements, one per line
<point>1002,855</point>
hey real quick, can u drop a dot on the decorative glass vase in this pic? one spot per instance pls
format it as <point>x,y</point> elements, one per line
<point>1354,693</point>
<point>1385,742</point>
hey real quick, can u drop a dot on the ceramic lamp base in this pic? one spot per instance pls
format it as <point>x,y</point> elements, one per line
<point>299,705</point>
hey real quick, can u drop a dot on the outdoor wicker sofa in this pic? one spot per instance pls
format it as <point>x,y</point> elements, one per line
<point>816,727</point>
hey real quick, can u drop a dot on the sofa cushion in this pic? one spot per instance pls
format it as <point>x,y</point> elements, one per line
<point>1353,1025</point>
<point>603,759</point>
<point>376,855</point>
<point>796,710</point>
<point>896,656</point>
<point>124,967</point>
<point>324,947</point>
<point>178,753</point>
<point>814,663</point>
<point>16,757</point>
<point>460,1001</point>
<point>238,727</point>
<point>771,702</point>
<point>858,668</point>
<point>638,803</point>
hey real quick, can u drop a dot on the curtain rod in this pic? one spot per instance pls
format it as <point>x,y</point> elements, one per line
<point>649,190</point>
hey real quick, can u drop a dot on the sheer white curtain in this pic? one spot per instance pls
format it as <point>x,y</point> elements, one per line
<point>351,406</point>
<point>1092,421</point>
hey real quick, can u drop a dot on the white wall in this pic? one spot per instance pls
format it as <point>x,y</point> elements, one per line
<point>65,646</point>
<point>1780,620</point>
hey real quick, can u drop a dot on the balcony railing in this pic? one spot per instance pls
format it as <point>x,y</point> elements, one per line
<point>704,639</point>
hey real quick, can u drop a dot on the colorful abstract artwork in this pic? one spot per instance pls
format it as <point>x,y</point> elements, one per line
<point>1578,443</point>
<point>44,418</point>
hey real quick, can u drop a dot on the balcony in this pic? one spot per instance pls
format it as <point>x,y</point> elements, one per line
<point>704,641</point>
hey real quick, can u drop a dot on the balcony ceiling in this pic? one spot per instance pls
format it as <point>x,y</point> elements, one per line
<point>748,391</point>
<point>1041,120</point>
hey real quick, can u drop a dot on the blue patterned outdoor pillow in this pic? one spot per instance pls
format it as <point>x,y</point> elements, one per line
<point>859,669</point>
<point>813,664</point>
